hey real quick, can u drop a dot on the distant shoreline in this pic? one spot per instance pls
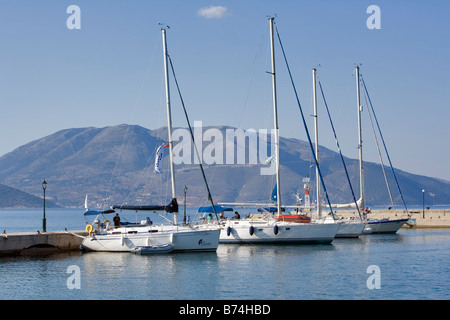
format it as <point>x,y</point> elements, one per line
<point>434,218</point>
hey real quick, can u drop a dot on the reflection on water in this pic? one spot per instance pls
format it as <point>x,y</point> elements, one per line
<point>158,276</point>
<point>273,271</point>
<point>413,263</point>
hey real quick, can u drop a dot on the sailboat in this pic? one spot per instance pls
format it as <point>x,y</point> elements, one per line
<point>375,225</point>
<point>348,228</point>
<point>145,237</point>
<point>278,228</point>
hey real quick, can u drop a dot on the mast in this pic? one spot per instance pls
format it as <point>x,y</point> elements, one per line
<point>316,136</point>
<point>169,121</point>
<point>275,112</point>
<point>361,170</point>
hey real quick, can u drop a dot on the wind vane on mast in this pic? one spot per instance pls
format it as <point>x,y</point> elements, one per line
<point>163,26</point>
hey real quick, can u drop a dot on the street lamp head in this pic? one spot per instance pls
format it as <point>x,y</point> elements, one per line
<point>423,190</point>
<point>44,185</point>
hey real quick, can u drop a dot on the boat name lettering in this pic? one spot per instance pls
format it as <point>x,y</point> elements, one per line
<point>203,243</point>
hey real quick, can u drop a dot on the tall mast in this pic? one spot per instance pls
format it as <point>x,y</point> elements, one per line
<point>169,121</point>
<point>316,136</point>
<point>361,170</point>
<point>275,112</point>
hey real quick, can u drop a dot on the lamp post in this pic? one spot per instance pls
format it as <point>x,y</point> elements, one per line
<point>184,216</point>
<point>44,221</point>
<point>423,203</point>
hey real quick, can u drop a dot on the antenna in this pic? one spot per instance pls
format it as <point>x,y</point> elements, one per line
<point>163,25</point>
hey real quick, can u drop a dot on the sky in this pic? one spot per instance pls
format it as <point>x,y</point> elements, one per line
<point>109,70</point>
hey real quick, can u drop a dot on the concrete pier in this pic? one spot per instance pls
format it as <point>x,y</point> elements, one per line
<point>29,243</point>
<point>428,218</point>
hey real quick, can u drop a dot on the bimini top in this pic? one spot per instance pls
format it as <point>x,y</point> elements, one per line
<point>217,207</point>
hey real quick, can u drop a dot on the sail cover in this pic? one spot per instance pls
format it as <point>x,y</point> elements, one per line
<point>95,212</point>
<point>171,207</point>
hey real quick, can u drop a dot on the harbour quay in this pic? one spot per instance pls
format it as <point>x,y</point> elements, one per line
<point>428,218</point>
<point>30,243</point>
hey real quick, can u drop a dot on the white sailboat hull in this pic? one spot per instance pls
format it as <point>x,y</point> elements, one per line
<point>351,229</point>
<point>238,231</point>
<point>126,239</point>
<point>386,226</point>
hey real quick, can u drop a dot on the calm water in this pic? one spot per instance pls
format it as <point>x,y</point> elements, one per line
<point>413,264</point>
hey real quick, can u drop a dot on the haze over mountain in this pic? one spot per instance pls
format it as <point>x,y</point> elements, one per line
<point>115,165</point>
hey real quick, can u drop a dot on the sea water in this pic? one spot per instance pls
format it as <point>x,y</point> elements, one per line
<point>412,264</point>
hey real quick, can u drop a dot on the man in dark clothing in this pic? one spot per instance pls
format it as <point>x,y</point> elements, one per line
<point>116,221</point>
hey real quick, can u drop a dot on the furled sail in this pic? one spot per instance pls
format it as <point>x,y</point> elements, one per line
<point>95,212</point>
<point>171,207</point>
<point>351,205</point>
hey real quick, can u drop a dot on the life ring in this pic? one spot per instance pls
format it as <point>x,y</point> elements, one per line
<point>251,230</point>
<point>89,228</point>
<point>106,224</point>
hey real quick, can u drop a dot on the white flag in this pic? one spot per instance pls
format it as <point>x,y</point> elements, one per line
<point>159,155</point>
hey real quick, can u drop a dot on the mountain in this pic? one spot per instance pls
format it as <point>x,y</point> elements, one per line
<point>13,198</point>
<point>115,165</point>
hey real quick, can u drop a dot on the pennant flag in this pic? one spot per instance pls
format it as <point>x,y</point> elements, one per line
<point>270,159</point>
<point>274,194</point>
<point>158,158</point>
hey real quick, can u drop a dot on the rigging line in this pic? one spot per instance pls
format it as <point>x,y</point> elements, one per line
<point>142,177</point>
<point>384,144</point>
<point>304,122</point>
<point>144,80</point>
<point>119,161</point>
<point>339,149</point>
<point>379,152</point>
<point>120,158</point>
<point>192,137</point>
<point>163,189</point>
<point>247,88</point>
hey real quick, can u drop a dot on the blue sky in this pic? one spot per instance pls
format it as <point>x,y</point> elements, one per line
<point>110,71</point>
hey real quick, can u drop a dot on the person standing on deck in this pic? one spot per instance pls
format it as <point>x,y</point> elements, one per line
<point>116,221</point>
